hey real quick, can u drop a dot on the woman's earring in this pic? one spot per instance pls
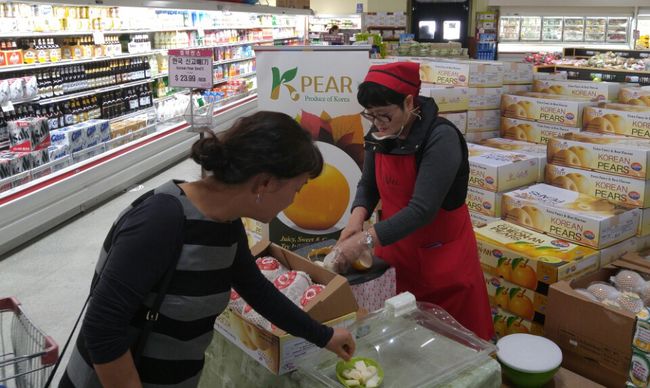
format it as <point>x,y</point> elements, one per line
<point>258,199</point>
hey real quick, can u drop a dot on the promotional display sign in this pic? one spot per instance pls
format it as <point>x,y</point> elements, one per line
<point>317,87</point>
<point>190,68</point>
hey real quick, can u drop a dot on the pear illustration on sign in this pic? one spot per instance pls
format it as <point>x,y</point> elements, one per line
<point>281,80</point>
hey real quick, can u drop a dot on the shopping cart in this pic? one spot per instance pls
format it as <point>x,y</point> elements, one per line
<point>26,353</point>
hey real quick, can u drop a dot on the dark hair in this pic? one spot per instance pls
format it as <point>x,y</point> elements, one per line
<point>265,142</point>
<point>373,95</point>
<point>333,28</point>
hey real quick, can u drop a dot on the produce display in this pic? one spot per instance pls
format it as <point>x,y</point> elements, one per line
<point>608,60</point>
<point>627,290</point>
<point>359,372</point>
<point>542,58</point>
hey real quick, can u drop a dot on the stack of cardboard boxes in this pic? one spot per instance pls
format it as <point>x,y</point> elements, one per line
<point>467,92</point>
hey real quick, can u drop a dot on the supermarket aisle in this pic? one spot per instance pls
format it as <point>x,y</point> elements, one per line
<point>51,275</point>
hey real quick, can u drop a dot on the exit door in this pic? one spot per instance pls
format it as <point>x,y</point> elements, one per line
<point>434,21</point>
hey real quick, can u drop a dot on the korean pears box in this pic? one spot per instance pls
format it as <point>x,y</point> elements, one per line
<point>530,259</point>
<point>497,170</point>
<point>570,215</point>
<point>532,131</point>
<point>617,155</point>
<point>602,91</point>
<point>545,108</point>
<point>618,119</point>
<point>621,190</point>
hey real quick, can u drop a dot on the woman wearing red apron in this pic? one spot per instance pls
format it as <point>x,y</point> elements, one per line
<point>416,163</point>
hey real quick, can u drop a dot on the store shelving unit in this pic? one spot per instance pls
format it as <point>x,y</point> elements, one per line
<point>580,52</point>
<point>97,173</point>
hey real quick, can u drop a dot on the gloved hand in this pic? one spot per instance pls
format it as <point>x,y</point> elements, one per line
<point>347,252</point>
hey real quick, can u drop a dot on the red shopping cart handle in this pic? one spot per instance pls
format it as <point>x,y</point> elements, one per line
<point>51,352</point>
<point>9,303</point>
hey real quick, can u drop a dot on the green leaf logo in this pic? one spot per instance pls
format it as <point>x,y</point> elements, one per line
<point>283,79</point>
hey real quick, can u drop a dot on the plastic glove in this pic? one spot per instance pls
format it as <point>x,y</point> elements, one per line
<point>349,251</point>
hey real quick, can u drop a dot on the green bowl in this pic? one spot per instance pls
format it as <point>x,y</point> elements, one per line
<point>343,365</point>
<point>528,379</point>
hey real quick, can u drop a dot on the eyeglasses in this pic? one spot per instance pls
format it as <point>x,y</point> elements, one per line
<point>380,118</point>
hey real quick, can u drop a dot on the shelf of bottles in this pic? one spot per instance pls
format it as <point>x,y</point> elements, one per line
<point>69,67</point>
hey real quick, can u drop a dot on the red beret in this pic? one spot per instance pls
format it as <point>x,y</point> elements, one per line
<point>402,77</point>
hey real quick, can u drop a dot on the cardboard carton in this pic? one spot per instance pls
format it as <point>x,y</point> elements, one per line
<point>617,155</point>
<point>477,137</point>
<point>476,74</point>
<point>459,119</point>
<point>517,73</point>
<point>545,108</point>
<point>479,220</point>
<point>618,119</point>
<point>550,76</point>
<point>483,201</point>
<point>529,259</point>
<point>634,96</point>
<point>570,215</point>
<point>276,350</point>
<point>532,131</point>
<point>615,252</point>
<point>644,224</point>
<point>483,120</point>
<point>510,89</point>
<point>484,98</point>
<point>536,150</point>
<point>601,352</point>
<point>515,299</point>
<point>448,98</point>
<point>603,91</point>
<point>506,323</point>
<point>625,191</point>
<point>497,170</point>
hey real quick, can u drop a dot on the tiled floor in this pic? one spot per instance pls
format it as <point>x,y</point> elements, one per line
<point>51,275</point>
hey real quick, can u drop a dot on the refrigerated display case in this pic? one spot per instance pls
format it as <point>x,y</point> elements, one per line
<point>531,28</point>
<point>595,29</point>
<point>617,30</point>
<point>73,63</point>
<point>574,29</point>
<point>509,28</point>
<point>552,29</point>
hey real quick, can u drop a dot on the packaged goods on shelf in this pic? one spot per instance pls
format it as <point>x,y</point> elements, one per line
<point>479,220</point>
<point>477,137</point>
<point>498,171</point>
<point>483,201</point>
<point>620,190</point>
<point>474,74</point>
<point>615,252</point>
<point>506,323</point>
<point>27,135</point>
<point>58,151</point>
<point>532,131</point>
<point>274,349</point>
<point>517,73</point>
<point>605,91</point>
<point>536,150</point>
<point>72,138</point>
<point>483,120</point>
<point>607,348</point>
<point>635,96</point>
<point>459,119</point>
<point>484,98</point>
<point>512,89</point>
<point>617,155</point>
<point>530,259</point>
<point>448,98</point>
<point>515,299</point>
<point>570,215</point>
<point>545,108</point>
<point>618,119</point>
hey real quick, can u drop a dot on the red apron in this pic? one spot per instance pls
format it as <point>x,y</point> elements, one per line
<point>438,263</point>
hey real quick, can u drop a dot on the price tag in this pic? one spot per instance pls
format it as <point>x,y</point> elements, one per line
<point>190,68</point>
<point>98,37</point>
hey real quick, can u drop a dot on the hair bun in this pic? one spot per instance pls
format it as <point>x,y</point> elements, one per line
<point>211,154</point>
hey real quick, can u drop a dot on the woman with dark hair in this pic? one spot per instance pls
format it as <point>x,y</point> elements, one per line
<point>417,164</point>
<point>255,169</point>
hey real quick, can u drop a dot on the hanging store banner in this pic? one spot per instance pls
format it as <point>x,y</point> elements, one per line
<point>318,87</point>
